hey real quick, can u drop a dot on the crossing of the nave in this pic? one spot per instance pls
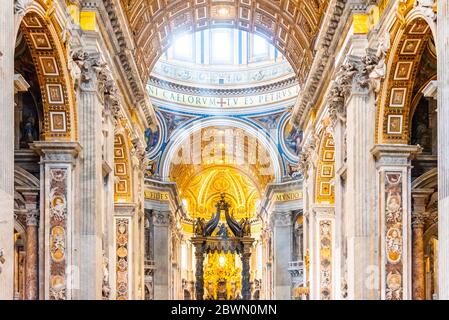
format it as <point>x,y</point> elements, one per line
<point>224,149</point>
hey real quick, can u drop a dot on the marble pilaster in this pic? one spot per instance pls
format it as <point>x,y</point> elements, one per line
<point>161,221</point>
<point>57,271</point>
<point>281,225</point>
<point>338,129</point>
<point>394,183</point>
<point>123,263</point>
<point>359,206</point>
<point>90,109</point>
<point>7,40</point>
<point>322,253</point>
<point>443,147</point>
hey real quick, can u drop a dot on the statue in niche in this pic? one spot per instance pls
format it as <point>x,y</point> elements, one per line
<point>421,131</point>
<point>29,131</point>
<point>223,231</point>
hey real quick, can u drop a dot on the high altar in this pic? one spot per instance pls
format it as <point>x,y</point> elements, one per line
<point>212,239</point>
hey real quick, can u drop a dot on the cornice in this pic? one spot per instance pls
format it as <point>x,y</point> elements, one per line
<point>125,58</point>
<point>277,86</point>
<point>325,48</point>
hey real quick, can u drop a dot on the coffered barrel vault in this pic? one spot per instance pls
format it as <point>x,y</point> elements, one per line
<point>291,25</point>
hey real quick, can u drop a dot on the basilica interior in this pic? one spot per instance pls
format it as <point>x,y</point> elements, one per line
<point>224,150</point>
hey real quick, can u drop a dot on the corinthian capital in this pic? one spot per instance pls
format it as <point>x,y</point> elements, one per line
<point>281,219</point>
<point>32,217</point>
<point>94,73</point>
<point>336,102</point>
<point>138,151</point>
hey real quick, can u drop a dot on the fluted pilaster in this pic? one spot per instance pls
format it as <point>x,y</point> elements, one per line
<point>282,244</point>
<point>90,113</point>
<point>359,207</point>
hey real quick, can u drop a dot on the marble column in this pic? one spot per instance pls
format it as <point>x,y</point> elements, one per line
<point>7,40</point>
<point>282,243</point>
<point>90,107</point>
<point>246,257</point>
<point>32,249</point>
<point>394,183</point>
<point>57,271</point>
<point>443,148</point>
<point>420,199</point>
<point>418,269</point>
<point>199,270</point>
<point>162,278</point>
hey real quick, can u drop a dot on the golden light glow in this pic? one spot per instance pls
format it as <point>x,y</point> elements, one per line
<point>222,266</point>
<point>222,261</point>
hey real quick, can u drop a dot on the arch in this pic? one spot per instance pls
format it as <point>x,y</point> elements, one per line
<point>23,178</point>
<point>123,187</point>
<point>324,189</point>
<point>411,38</point>
<point>291,25</point>
<point>427,180</point>
<point>180,135</point>
<point>41,34</point>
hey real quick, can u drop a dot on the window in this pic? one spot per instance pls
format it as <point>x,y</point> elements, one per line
<point>222,46</point>
<point>260,46</point>
<point>183,48</point>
